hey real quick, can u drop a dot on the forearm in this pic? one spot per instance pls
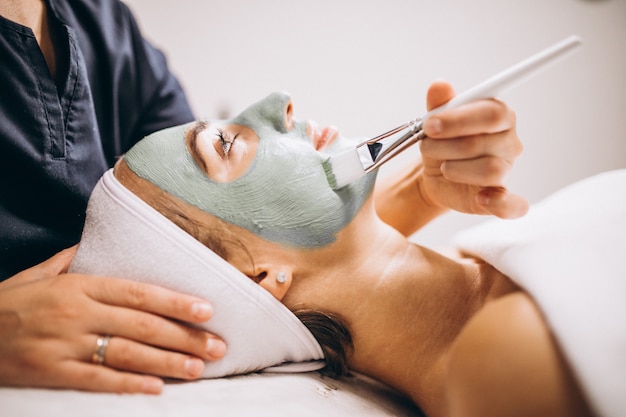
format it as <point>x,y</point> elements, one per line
<point>402,203</point>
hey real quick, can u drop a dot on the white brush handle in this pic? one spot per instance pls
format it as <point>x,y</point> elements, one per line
<point>506,79</point>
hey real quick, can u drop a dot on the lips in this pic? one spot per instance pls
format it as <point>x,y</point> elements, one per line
<point>322,137</point>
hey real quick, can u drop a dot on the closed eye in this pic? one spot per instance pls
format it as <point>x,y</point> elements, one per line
<point>226,141</point>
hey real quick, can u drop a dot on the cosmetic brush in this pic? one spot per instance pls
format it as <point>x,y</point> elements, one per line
<point>348,166</point>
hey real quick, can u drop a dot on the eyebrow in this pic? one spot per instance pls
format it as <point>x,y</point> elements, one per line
<point>195,130</point>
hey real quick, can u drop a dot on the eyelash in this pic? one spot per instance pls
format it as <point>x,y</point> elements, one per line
<point>225,141</point>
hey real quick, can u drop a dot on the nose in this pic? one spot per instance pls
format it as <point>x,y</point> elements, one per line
<point>278,110</point>
<point>274,112</point>
<point>289,115</point>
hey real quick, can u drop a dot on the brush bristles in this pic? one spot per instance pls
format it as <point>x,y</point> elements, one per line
<point>343,168</point>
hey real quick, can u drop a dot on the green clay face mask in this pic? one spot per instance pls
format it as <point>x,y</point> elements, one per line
<point>284,196</point>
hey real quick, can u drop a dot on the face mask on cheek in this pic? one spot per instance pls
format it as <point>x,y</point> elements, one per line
<point>284,197</point>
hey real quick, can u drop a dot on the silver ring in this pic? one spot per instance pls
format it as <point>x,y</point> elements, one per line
<point>102,342</point>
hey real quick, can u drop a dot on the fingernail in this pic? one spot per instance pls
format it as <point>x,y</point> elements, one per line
<point>432,126</point>
<point>194,367</point>
<point>152,386</point>
<point>216,347</point>
<point>202,311</point>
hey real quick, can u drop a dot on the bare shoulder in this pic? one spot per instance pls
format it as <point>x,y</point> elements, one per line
<point>507,363</point>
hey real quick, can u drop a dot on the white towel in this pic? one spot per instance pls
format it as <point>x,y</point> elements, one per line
<point>126,238</point>
<point>569,253</point>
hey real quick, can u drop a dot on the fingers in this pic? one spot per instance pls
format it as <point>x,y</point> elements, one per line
<point>59,263</point>
<point>131,356</point>
<point>142,318</point>
<point>482,116</point>
<point>89,377</point>
<point>149,298</point>
<point>485,171</point>
<point>503,145</point>
<point>145,317</point>
<point>501,203</point>
<point>56,265</point>
<point>473,145</point>
<point>155,331</point>
<point>468,154</point>
<point>61,316</point>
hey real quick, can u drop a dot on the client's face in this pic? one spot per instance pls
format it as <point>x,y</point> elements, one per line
<point>261,170</point>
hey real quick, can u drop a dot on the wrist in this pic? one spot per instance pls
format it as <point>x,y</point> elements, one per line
<point>428,206</point>
<point>402,201</point>
<point>427,202</point>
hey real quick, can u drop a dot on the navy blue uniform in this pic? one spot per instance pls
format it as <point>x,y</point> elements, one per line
<point>59,135</point>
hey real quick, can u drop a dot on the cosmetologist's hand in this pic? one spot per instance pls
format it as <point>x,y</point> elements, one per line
<point>468,156</point>
<point>50,322</point>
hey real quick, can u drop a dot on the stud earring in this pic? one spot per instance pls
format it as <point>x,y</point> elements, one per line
<point>281,277</point>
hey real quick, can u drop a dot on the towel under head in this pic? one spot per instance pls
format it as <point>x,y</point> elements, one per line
<point>126,238</point>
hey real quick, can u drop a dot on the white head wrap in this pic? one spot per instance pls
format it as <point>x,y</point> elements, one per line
<point>126,238</point>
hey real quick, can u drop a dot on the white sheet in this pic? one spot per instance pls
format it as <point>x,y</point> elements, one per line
<point>569,253</point>
<point>254,395</point>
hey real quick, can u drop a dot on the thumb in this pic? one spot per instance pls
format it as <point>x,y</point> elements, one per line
<point>56,265</point>
<point>60,262</point>
<point>439,93</point>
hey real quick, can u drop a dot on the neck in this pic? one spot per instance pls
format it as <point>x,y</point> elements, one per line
<point>405,305</point>
<point>32,14</point>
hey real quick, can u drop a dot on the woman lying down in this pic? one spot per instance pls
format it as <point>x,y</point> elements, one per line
<point>456,335</point>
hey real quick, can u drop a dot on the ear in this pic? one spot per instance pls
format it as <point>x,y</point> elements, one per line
<point>277,281</point>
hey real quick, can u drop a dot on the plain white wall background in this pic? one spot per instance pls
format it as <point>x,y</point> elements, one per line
<point>365,66</point>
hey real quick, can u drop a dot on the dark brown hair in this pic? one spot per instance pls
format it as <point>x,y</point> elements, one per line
<point>333,335</point>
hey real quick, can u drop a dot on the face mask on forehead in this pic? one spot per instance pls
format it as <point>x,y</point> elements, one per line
<point>284,196</point>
